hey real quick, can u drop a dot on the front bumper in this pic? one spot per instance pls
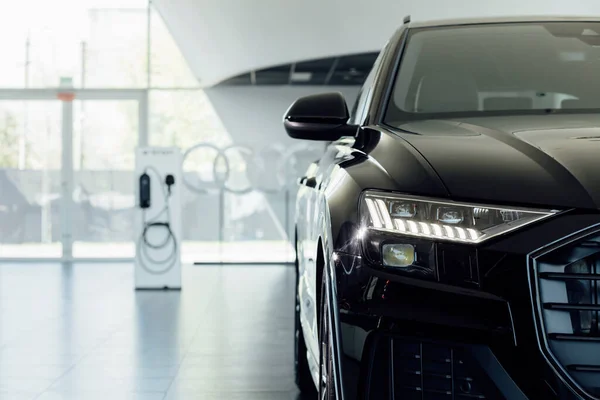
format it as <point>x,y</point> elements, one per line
<point>414,368</point>
<point>388,321</point>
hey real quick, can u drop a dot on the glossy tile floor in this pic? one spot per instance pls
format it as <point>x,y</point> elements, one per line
<point>81,332</point>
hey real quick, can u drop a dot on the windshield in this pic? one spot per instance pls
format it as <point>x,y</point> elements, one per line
<point>498,69</point>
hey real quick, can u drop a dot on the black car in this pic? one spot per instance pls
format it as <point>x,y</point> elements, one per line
<point>448,241</point>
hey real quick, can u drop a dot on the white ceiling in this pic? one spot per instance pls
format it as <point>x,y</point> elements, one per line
<point>224,38</point>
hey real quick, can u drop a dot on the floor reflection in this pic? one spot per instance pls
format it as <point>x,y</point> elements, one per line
<point>81,332</point>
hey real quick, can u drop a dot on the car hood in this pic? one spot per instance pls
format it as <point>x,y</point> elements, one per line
<point>549,160</point>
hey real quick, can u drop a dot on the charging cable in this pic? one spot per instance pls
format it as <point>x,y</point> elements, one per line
<point>145,245</point>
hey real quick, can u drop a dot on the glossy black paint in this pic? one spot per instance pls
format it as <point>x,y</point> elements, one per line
<point>498,314</point>
<point>549,161</point>
<point>319,117</point>
<point>518,159</point>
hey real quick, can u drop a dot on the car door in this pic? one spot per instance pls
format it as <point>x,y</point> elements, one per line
<point>305,212</point>
<point>309,209</point>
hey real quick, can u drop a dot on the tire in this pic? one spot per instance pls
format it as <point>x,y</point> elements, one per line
<point>326,371</point>
<point>304,380</point>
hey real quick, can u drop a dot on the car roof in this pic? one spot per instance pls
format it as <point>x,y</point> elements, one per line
<point>501,20</point>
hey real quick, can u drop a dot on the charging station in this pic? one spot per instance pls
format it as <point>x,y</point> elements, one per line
<point>158,232</point>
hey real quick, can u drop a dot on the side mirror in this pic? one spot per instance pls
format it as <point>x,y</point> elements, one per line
<point>319,117</point>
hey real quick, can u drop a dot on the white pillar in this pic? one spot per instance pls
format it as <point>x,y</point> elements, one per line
<point>67,180</point>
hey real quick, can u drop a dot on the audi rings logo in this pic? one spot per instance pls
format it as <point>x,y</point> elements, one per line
<point>242,169</point>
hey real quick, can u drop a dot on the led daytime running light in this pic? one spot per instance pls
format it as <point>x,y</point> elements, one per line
<point>432,230</point>
<point>478,223</point>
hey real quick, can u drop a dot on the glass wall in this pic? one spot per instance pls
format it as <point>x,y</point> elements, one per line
<point>100,44</point>
<point>30,196</point>
<point>238,199</point>
<point>104,141</point>
<point>97,43</point>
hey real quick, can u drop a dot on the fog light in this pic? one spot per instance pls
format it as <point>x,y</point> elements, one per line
<point>399,255</point>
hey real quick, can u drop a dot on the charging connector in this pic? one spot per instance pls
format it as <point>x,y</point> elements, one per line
<point>145,245</point>
<point>145,190</point>
<point>169,181</point>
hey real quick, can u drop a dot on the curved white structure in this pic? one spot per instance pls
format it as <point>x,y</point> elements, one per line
<point>221,39</point>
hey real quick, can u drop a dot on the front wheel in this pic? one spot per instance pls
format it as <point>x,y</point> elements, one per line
<point>304,380</point>
<point>326,370</point>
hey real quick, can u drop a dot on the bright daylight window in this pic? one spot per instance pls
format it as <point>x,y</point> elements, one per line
<point>92,44</point>
<point>498,69</point>
<point>96,43</point>
<point>116,47</point>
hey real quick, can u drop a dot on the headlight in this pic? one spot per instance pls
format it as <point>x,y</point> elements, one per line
<point>443,220</point>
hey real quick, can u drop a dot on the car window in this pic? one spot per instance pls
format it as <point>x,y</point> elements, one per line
<point>359,109</point>
<point>354,110</point>
<point>498,68</point>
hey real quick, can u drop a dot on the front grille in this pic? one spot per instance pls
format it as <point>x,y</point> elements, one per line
<point>566,295</point>
<point>409,369</point>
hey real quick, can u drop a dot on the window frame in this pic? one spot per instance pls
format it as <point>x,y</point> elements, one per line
<point>365,94</point>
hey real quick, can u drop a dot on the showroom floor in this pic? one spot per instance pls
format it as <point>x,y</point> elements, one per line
<point>82,332</point>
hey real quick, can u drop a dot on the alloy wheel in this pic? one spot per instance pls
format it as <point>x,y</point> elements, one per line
<point>326,385</point>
